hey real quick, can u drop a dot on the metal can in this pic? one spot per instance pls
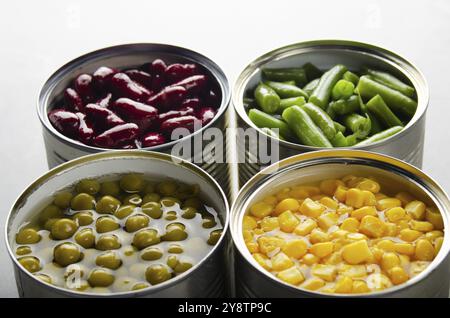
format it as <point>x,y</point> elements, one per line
<point>406,145</point>
<point>254,281</point>
<point>206,279</point>
<point>60,148</point>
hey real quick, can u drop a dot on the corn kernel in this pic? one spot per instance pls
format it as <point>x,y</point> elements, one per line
<point>291,276</point>
<point>286,205</point>
<point>391,229</point>
<point>409,235</point>
<point>421,226</point>
<point>360,287</point>
<point>404,248</point>
<point>404,197</point>
<point>258,231</point>
<point>355,198</point>
<point>353,271</point>
<point>369,198</point>
<point>377,254</point>
<point>311,208</point>
<point>389,260</point>
<point>310,259</point>
<point>288,221</point>
<point>327,220</point>
<point>368,185</point>
<point>329,203</point>
<point>344,285</point>
<point>281,262</point>
<point>343,209</point>
<point>326,272</point>
<point>339,234</point>
<point>329,186</point>
<point>350,224</point>
<point>269,244</point>
<point>372,226</point>
<point>356,236</point>
<point>305,227</point>
<point>417,267</point>
<point>295,248</point>
<point>386,245</point>
<point>340,194</point>
<point>380,196</point>
<point>416,209</point>
<point>269,223</point>
<point>322,249</point>
<point>262,260</point>
<point>378,281</point>
<point>402,224</point>
<point>424,250</point>
<point>271,199</point>
<point>299,193</point>
<point>318,236</point>
<point>318,197</point>
<point>261,209</point>
<point>438,244</point>
<point>313,283</point>
<point>249,223</point>
<point>248,235</point>
<point>395,214</point>
<point>350,179</point>
<point>398,275</point>
<point>253,247</point>
<point>433,216</point>
<point>333,259</point>
<point>432,235</point>
<point>283,194</point>
<point>388,203</point>
<point>356,253</point>
<point>362,212</point>
<point>404,260</point>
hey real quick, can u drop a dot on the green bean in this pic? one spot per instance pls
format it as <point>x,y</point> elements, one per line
<point>358,124</point>
<point>391,81</point>
<point>397,101</point>
<point>378,107</point>
<point>343,106</point>
<point>339,127</point>
<point>339,140</point>
<point>288,102</point>
<point>309,88</point>
<point>321,94</point>
<point>290,83</point>
<point>343,89</point>
<point>267,99</point>
<point>321,119</point>
<point>351,77</point>
<point>285,90</point>
<point>376,125</point>
<point>296,74</point>
<point>305,129</point>
<point>272,133</point>
<point>249,103</point>
<point>351,140</point>
<point>312,72</point>
<point>381,136</point>
<point>261,120</point>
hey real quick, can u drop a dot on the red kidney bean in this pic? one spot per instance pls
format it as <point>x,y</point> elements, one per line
<point>152,139</point>
<point>193,84</point>
<point>123,86</point>
<point>73,100</point>
<point>103,116</point>
<point>131,145</point>
<point>138,113</point>
<point>116,136</point>
<point>102,76</point>
<point>212,98</point>
<point>64,121</point>
<point>176,72</point>
<point>169,97</point>
<point>85,87</point>
<point>140,77</point>
<point>206,114</point>
<point>105,101</point>
<point>191,102</point>
<point>190,122</point>
<point>184,111</point>
<point>85,130</point>
<point>157,69</point>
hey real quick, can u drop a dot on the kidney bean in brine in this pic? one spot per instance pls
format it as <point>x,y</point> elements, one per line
<point>191,102</point>
<point>140,77</point>
<point>130,145</point>
<point>193,84</point>
<point>169,97</point>
<point>206,114</point>
<point>73,100</point>
<point>105,101</point>
<point>140,114</point>
<point>123,86</point>
<point>102,116</point>
<point>64,121</point>
<point>103,76</point>
<point>84,86</point>
<point>157,69</point>
<point>85,129</point>
<point>152,139</point>
<point>116,136</point>
<point>189,122</point>
<point>177,72</point>
<point>184,111</point>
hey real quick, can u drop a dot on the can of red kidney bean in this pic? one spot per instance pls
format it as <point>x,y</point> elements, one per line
<point>254,281</point>
<point>406,145</point>
<point>60,148</point>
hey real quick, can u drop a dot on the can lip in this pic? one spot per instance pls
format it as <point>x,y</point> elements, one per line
<point>344,154</point>
<point>151,155</point>
<point>198,58</point>
<point>407,68</point>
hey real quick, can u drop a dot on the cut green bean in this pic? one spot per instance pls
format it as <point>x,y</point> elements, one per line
<point>381,136</point>
<point>261,120</point>
<point>351,77</point>
<point>290,83</point>
<point>309,88</point>
<point>285,90</point>
<point>358,124</point>
<point>272,132</point>
<point>378,107</point>
<point>288,102</point>
<point>343,89</point>
<point>339,127</point>
<point>321,119</point>
<point>312,71</point>
<point>296,74</point>
<point>351,140</point>
<point>343,106</point>
<point>391,81</point>
<point>321,94</point>
<point>339,140</point>
<point>267,99</point>
<point>375,123</point>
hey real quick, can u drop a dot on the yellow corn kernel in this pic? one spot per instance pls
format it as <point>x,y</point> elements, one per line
<point>268,244</point>
<point>262,260</point>
<point>333,259</point>
<point>404,248</point>
<point>379,196</point>
<point>288,221</point>
<point>360,287</point>
<point>389,260</point>
<point>404,260</point>
<point>299,193</point>
<point>424,251</point>
<point>377,254</point>
<point>327,220</point>
<point>432,235</point>
<point>269,223</point>
<point>391,229</point>
<point>388,203</point>
<point>305,227</point>
<point>350,178</point>
<point>404,197</point>
<point>402,224</point>
<point>326,272</point>
<point>372,226</point>
<point>378,281</point>
<point>356,252</point>
<point>322,249</point>
<point>353,271</point>
<point>249,223</point>
<point>311,208</point>
<point>261,209</point>
<point>313,283</point>
<point>338,234</point>
<point>368,185</point>
<point>318,197</point>
<point>416,209</point>
<point>329,186</point>
<point>438,244</point>
<point>283,194</point>
<point>258,231</point>
<point>253,247</point>
<point>310,259</point>
<point>281,262</point>
<point>386,245</point>
<point>329,203</point>
<point>398,275</point>
<point>355,198</point>
<point>343,209</point>
<point>291,276</point>
<point>318,236</point>
<point>248,235</point>
<point>344,285</point>
<point>369,198</point>
<point>421,226</point>
<point>356,236</point>
<point>340,194</point>
<point>350,225</point>
<point>271,199</point>
<point>395,214</point>
<point>362,212</point>
<point>409,235</point>
<point>288,204</point>
<point>433,216</point>
<point>295,248</point>
<point>417,267</point>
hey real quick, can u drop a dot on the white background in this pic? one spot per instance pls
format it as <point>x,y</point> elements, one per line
<point>37,37</point>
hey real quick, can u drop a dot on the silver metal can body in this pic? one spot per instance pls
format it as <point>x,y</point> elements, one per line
<point>206,279</point>
<point>406,145</point>
<point>254,281</point>
<point>60,148</point>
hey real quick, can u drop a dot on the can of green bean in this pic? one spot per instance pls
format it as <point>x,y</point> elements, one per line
<point>306,64</point>
<point>299,232</point>
<point>153,229</point>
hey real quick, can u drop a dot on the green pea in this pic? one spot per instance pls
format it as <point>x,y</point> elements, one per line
<point>107,242</point>
<point>151,254</point>
<point>172,261</point>
<point>124,211</point>
<point>167,188</point>
<point>187,191</point>
<point>30,263</point>
<point>23,250</point>
<point>107,205</point>
<point>111,188</point>
<point>136,222</point>
<point>100,278</point>
<point>66,253</point>
<point>175,249</point>
<point>44,278</point>
<point>82,201</point>
<point>145,238</point>
<point>27,236</point>
<point>140,286</point>
<point>182,267</point>
<point>129,251</point>
<point>106,224</point>
<point>62,199</point>
<point>85,238</point>
<point>82,286</point>
<point>132,183</point>
<point>156,274</point>
<point>209,223</point>
<point>151,197</point>
<point>63,229</point>
<point>189,213</point>
<point>149,188</point>
<point>134,199</point>
<point>48,225</point>
<point>175,232</point>
<point>195,203</point>
<point>83,218</point>
<point>152,209</point>
<point>50,212</point>
<point>214,237</point>
<point>169,201</point>
<point>109,260</point>
<point>88,186</point>
<point>171,216</point>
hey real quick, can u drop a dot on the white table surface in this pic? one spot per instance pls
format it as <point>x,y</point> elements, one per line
<point>36,37</point>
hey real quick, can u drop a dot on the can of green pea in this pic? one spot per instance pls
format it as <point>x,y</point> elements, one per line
<point>406,145</point>
<point>206,275</point>
<point>260,273</point>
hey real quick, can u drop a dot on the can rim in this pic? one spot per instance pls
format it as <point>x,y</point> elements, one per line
<point>222,80</point>
<point>267,173</point>
<point>73,164</point>
<point>402,65</point>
